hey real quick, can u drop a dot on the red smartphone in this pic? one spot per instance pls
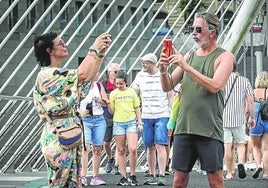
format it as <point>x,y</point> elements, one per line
<point>167,43</point>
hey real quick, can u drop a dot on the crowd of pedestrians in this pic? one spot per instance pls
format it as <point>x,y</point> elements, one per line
<point>217,106</point>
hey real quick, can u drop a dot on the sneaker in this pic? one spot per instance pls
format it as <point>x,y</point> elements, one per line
<point>132,180</point>
<point>148,174</point>
<point>122,182</point>
<point>109,166</point>
<point>115,170</point>
<point>151,181</point>
<point>97,181</point>
<point>84,181</point>
<point>160,181</point>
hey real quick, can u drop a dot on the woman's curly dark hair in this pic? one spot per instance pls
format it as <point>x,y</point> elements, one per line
<point>41,44</point>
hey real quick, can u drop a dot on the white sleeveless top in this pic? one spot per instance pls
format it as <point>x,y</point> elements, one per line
<point>96,106</point>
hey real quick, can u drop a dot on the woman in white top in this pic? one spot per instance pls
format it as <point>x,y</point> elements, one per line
<point>94,128</point>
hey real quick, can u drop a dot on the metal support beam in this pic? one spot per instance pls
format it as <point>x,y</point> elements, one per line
<point>241,25</point>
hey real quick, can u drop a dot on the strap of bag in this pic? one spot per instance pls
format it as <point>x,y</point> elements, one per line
<point>264,98</point>
<point>230,90</point>
<point>48,118</point>
<point>78,115</point>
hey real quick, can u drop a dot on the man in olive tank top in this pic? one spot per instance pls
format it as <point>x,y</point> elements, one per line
<point>199,130</point>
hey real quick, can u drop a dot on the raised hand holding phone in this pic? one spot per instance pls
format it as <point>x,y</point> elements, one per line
<point>167,43</point>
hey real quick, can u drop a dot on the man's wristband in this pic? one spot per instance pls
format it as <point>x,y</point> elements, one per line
<point>96,50</point>
<point>140,123</point>
<point>163,70</point>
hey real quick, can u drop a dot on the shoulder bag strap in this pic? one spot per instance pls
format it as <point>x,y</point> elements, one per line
<point>78,115</point>
<point>43,111</point>
<point>230,90</point>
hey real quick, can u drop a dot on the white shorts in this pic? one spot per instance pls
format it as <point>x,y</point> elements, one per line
<point>236,134</point>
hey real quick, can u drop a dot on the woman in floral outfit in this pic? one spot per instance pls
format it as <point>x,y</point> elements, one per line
<point>57,90</point>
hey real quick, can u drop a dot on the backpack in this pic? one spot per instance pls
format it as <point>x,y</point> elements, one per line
<point>263,109</point>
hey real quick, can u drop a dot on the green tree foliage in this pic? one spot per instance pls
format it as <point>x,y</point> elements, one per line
<point>191,7</point>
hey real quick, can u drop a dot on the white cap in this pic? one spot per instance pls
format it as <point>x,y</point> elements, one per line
<point>149,57</point>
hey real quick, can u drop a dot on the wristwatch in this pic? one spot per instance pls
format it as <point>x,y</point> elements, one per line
<point>97,51</point>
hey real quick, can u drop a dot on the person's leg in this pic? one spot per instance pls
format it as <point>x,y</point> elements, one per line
<point>96,150</point>
<point>119,132</point>
<point>241,150</point>
<point>228,160</point>
<point>257,154</point>
<point>240,138</point>
<point>180,179</point>
<point>148,141</point>
<point>151,159</point>
<point>98,132</point>
<point>87,122</point>
<point>211,153</point>
<point>250,158</point>
<point>256,137</point>
<point>161,141</point>
<point>228,152</point>
<point>107,144</point>
<point>132,140</point>
<point>265,155</point>
<point>132,148</point>
<point>168,153</point>
<point>183,159</point>
<point>215,179</point>
<point>108,149</point>
<point>120,141</point>
<point>161,158</point>
<point>84,160</point>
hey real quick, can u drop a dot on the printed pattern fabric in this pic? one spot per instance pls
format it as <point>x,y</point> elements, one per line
<point>56,89</point>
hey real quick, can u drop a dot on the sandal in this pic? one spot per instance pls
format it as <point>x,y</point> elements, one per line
<point>265,176</point>
<point>257,172</point>
<point>227,178</point>
<point>241,171</point>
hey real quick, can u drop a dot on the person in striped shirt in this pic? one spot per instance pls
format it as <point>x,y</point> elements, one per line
<point>238,102</point>
<point>156,106</point>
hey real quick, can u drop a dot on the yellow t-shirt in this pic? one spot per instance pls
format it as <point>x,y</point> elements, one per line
<point>124,104</point>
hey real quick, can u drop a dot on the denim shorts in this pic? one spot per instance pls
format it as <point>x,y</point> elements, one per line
<point>122,128</point>
<point>260,128</point>
<point>155,131</point>
<point>94,129</point>
<point>188,148</point>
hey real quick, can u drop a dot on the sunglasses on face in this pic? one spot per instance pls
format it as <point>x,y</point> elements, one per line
<point>197,29</point>
<point>61,43</point>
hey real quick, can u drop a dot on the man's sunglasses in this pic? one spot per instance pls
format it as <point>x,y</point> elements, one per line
<point>198,29</point>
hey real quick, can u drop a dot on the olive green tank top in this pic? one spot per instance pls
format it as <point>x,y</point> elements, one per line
<point>200,111</point>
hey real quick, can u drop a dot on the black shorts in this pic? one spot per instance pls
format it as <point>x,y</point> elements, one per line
<point>188,148</point>
<point>109,130</point>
